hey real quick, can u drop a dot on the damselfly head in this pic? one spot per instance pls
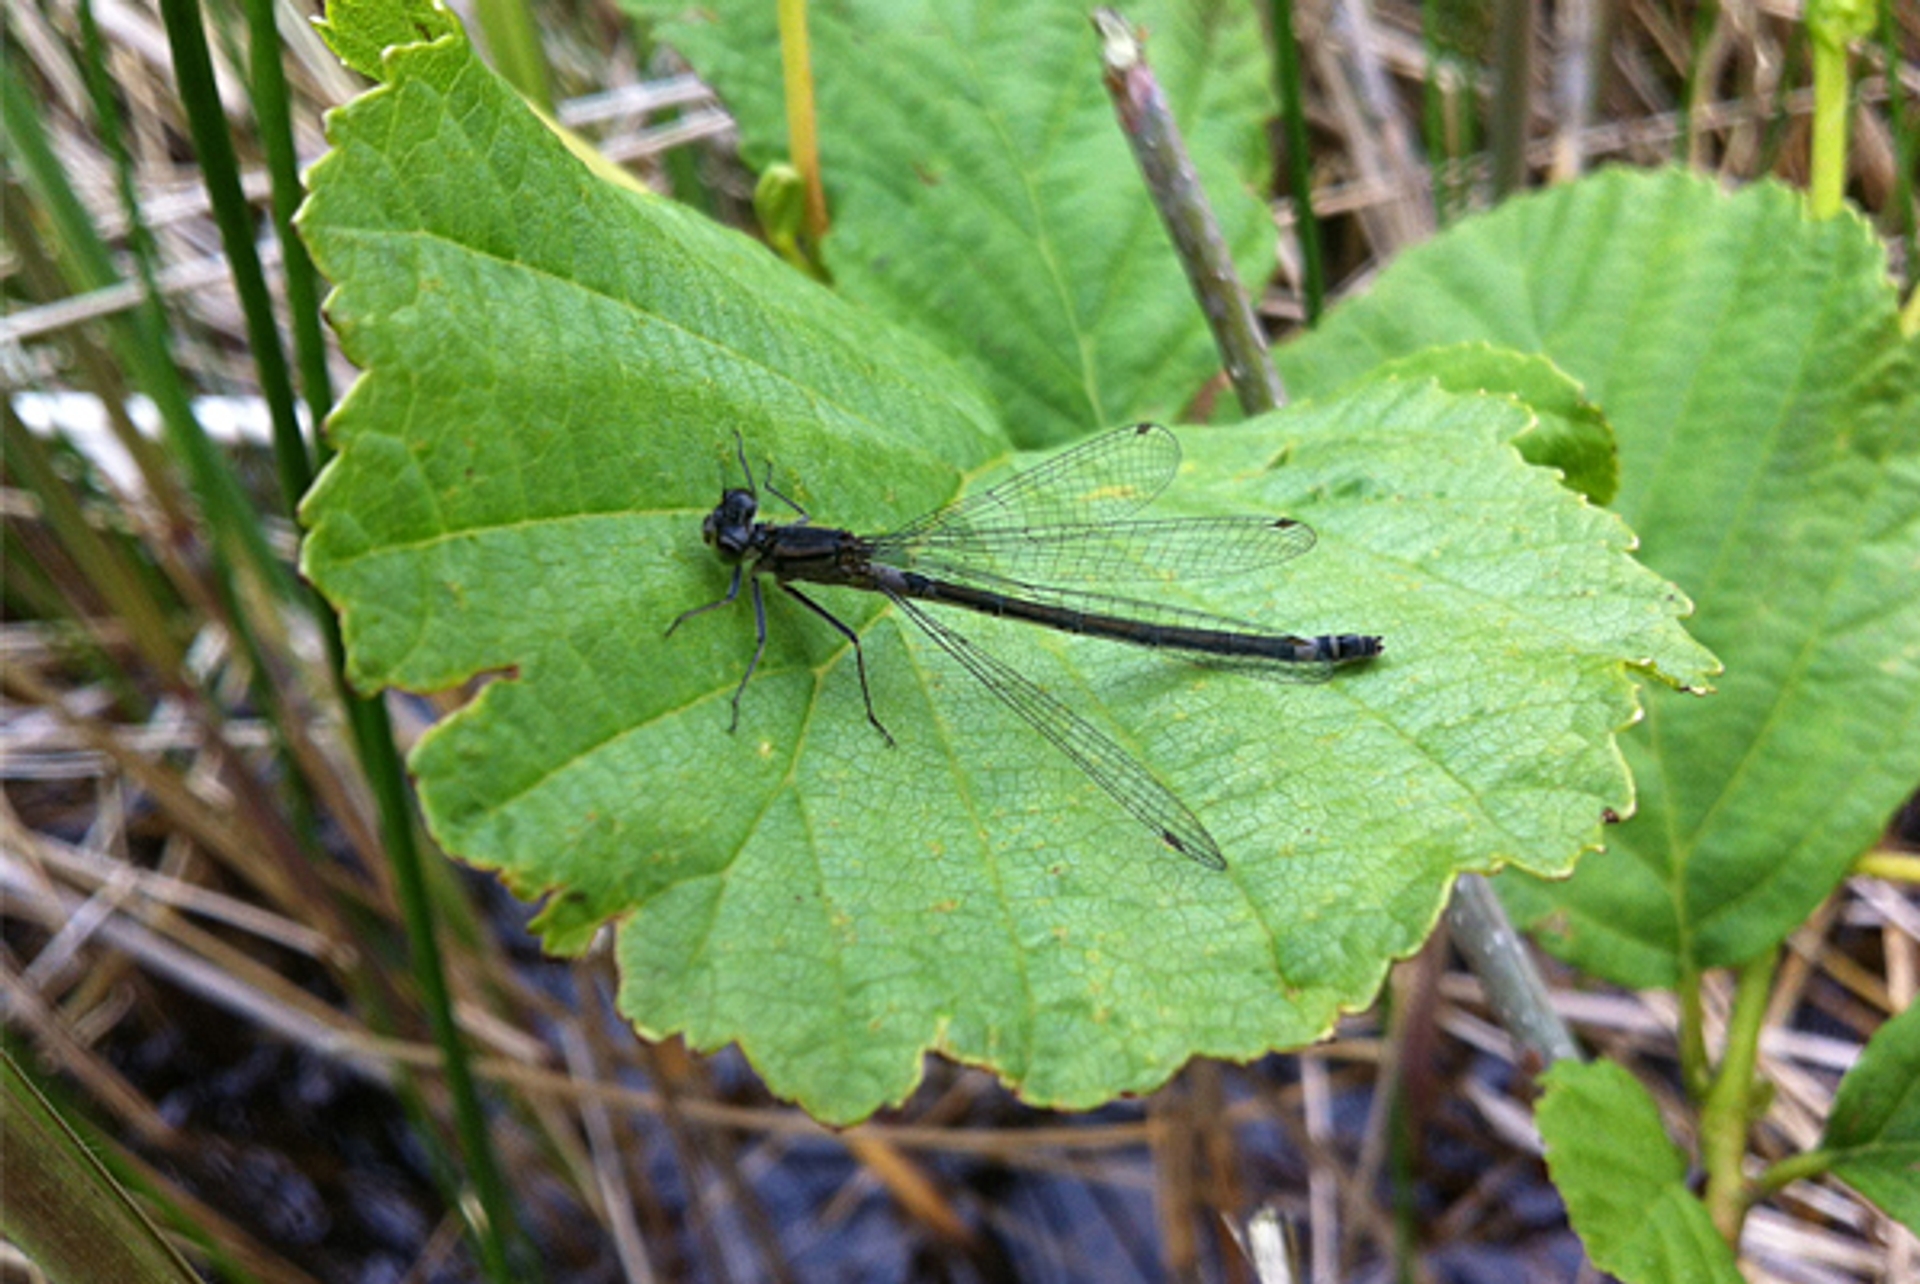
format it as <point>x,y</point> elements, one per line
<point>729,527</point>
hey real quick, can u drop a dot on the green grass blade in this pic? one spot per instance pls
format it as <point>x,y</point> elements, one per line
<point>1904,121</point>
<point>63,1207</point>
<point>200,96</point>
<point>1512,95</point>
<point>1289,84</point>
<point>513,42</point>
<point>140,339</point>
<point>106,570</point>
<point>273,112</point>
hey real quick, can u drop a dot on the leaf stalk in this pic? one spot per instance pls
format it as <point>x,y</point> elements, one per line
<point>1727,1116</point>
<point>1833,24</point>
<point>803,131</point>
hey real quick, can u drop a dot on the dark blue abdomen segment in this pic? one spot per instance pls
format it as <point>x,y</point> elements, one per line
<point>1308,659</point>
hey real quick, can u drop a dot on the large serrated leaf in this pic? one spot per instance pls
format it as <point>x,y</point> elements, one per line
<point>1624,1180</point>
<point>554,372</point>
<point>983,195</point>
<point>1768,416</point>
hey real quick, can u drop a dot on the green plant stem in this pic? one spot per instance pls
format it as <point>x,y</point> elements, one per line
<point>1831,106</point>
<point>1782,123</point>
<point>1512,94</point>
<point>1442,163</point>
<point>1695,1072</point>
<point>803,133</point>
<point>1449,109</point>
<point>373,733</point>
<point>1148,124</point>
<point>1833,24</point>
<point>1890,865</point>
<point>1906,155</point>
<point>220,170</point>
<point>367,717</point>
<point>1705,19</point>
<point>200,96</point>
<point>1290,88</point>
<point>1727,1116</point>
<point>146,255</point>
<point>273,111</point>
<point>1403,1161</point>
<point>1805,1165</point>
<point>513,41</point>
<point>106,570</point>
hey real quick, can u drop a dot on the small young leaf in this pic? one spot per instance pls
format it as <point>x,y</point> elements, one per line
<point>1624,1181</point>
<point>1768,415</point>
<point>555,371</point>
<point>780,203</point>
<point>982,194</point>
<point>1874,1130</point>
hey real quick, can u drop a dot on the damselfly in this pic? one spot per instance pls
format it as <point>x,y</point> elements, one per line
<point>1006,552</point>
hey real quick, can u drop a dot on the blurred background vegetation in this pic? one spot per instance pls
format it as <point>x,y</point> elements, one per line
<point>231,959</point>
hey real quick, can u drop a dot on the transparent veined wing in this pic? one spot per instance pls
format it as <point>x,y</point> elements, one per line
<point>1102,480</point>
<point>1125,779</point>
<point>1172,550</point>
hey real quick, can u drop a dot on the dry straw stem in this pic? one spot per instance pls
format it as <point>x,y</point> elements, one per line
<point>1147,121</point>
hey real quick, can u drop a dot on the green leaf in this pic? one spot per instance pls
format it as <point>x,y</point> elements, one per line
<point>1624,1181</point>
<point>554,371</point>
<point>1568,432</point>
<point>1874,1130</point>
<point>537,325</point>
<point>982,193</point>
<point>1768,416</point>
<point>359,31</point>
